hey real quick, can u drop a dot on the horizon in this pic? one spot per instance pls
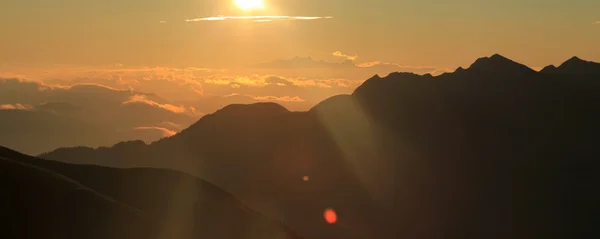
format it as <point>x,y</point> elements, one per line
<point>292,53</point>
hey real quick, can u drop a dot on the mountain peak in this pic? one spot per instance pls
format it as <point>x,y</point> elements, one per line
<point>576,65</point>
<point>499,64</point>
<point>498,56</point>
<point>256,108</point>
<point>494,59</point>
<point>575,59</point>
<point>549,69</point>
<point>375,77</point>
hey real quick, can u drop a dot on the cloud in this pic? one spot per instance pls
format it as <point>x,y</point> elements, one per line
<point>393,67</point>
<point>58,107</point>
<point>177,90</point>
<point>340,54</point>
<point>166,132</point>
<point>171,83</point>
<point>597,22</point>
<point>275,98</point>
<point>143,100</point>
<point>162,22</point>
<point>256,18</point>
<point>345,69</point>
<point>17,84</point>
<point>280,82</point>
<point>268,98</point>
<point>88,87</point>
<point>171,125</point>
<point>304,62</point>
<point>15,107</point>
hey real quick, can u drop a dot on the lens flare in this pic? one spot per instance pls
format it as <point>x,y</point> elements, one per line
<point>330,216</point>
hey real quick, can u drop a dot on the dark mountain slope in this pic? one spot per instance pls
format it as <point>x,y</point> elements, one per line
<point>574,66</point>
<point>496,151</point>
<point>38,203</point>
<point>117,203</point>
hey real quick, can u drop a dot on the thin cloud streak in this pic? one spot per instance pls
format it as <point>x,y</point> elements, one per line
<point>256,18</point>
<point>15,107</point>
<point>348,57</point>
<point>166,132</point>
<point>142,99</point>
<point>269,98</point>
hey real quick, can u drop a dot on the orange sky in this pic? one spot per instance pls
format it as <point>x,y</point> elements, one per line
<point>297,52</point>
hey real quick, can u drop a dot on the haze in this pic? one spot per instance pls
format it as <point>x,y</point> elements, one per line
<point>120,43</point>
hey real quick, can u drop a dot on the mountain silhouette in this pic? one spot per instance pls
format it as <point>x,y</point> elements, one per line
<point>45,199</point>
<point>499,64</point>
<point>574,66</point>
<point>496,150</point>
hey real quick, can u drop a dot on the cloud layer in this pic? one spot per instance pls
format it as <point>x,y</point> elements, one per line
<point>297,83</point>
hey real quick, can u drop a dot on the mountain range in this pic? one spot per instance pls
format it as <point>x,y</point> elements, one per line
<point>45,199</point>
<point>496,150</point>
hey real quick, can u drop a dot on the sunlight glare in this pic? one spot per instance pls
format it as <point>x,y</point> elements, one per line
<point>249,4</point>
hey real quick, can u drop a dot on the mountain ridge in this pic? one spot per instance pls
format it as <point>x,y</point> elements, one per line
<point>404,155</point>
<point>574,65</point>
<point>136,201</point>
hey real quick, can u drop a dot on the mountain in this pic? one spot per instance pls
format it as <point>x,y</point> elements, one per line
<point>496,150</point>
<point>44,199</point>
<point>499,64</point>
<point>576,66</point>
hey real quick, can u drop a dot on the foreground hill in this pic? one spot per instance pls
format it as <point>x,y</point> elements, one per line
<point>45,199</point>
<point>496,150</point>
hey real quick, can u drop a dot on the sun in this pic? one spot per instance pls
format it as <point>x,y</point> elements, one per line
<point>249,4</point>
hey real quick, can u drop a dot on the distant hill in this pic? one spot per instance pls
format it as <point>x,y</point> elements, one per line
<point>45,199</point>
<point>496,150</point>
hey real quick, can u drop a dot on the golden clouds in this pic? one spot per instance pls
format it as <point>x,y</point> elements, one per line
<point>166,132</point>
<point>143,100</point>
<point>275,98</point>
<point>340,54</point>
<point>15,107</point>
